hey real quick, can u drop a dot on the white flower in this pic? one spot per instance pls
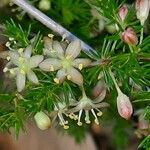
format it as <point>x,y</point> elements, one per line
<point>21,64</point>
<point>42,120</point>
<point>65,61</point>
<point>142,10</point>
<point>88,105</point>
<point>60,110</point>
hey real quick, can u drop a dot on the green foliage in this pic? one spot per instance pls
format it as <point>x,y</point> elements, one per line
<point>16,32</point>
<point>127,62</point>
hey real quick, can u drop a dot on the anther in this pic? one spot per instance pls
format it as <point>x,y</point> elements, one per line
<point>69,77</point>
<point>56,80</point>
<point>51,68</point>
<point>80,66</point>
<point>5,69</point>
<point>7,44</point>
<point>11,39</point>
<point>99,113</point>
<point>79,123</point>
<point>8,58</point>
<point>50,36</point>
<point>20,50</point>
<point>66,127</point>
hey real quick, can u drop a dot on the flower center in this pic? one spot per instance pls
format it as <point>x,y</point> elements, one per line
<point>23,65</point>
<point>66,63</point>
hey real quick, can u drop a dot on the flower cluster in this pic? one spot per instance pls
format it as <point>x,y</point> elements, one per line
<point>64,60</point>
<point>21,64</point>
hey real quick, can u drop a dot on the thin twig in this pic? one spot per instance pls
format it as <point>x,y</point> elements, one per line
<point>49,22</point>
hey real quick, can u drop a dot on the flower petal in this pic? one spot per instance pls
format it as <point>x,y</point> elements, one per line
<point>20,81</point>
<point>27,51</point>
<point>34,61</point>
<point>73,49</point>
<point>57,47</point>
<point>101,105</point>
<point>60,76</point>
<point>50,64</point>
<point>75,76</point>
<point>48,46</point>
<point>14,57</point>
<point>32,77</point>
<point>101,96</point>
<point>81,62</point>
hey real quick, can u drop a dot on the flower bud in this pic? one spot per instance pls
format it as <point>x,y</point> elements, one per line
<point>99,89</point>
<point>129,36</point>
<point>124,106</point>
<point>123,12</point>
<point>42,120</point>
<point>142,10</point>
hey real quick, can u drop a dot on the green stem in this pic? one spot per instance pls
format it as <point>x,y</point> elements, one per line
<point>83,91</point>
<point>114,80</point>
<point>141,36</point>
<point>131,49</point>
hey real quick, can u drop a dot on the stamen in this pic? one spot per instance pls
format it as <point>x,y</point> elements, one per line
<point>67,41</point>
<point>64,37</point>
<point>56,80</point>
<point>8,44</point>
<point>50,36</point>
<point>11,39</point>
<point>20,50</point>
<point>79,122</point>
<point>80,66</point>
<point>66,127</point>
<point>8,58</point>
<point>73,116</point>
<point>51,68</point>
<point>87,120</point>
<point>69,77</point>
<point>5,69</point>
<point>99,113</point>
<point>96,119</point>
<point>62,121</point>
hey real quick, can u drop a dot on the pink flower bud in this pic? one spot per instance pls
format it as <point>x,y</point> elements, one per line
<point>124,106</point>
<point>142,10</point>
<point>123,12</point>
<point>129,36</point>
<point>99,89</point>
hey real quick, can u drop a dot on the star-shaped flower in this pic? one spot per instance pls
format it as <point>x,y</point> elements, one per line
<point>59,112</point>
<point>21,64</point>
<point>65,61</point>
<point>88,105</point>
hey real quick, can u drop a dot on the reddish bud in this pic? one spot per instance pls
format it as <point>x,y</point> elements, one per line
<point>129,36</point>
<point>99,89</point>
<point>124,106</point>
<point>142,10</point>
<point>123,12</point>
